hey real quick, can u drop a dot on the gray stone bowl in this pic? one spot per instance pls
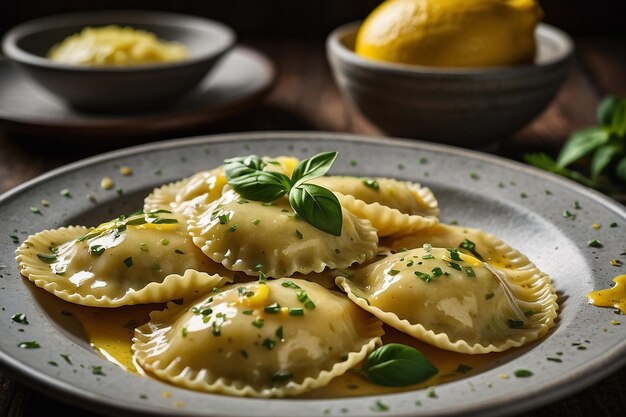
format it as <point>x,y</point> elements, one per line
<point>465,106</point>
<point>118,89</point>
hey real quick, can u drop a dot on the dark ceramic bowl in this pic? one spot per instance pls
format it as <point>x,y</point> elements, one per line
<point>118,89</point>
<point>459,106</point>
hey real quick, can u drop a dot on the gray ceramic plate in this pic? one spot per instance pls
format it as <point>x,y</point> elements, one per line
<point>521,205</point>
<point>241,79</point>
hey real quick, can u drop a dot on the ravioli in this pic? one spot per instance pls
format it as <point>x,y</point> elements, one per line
<point>454,301</point>
<point>394,207</point>
<point>144,258</point>
<point>260,339</point>
<point>180,195</point>
<point>253,237</point>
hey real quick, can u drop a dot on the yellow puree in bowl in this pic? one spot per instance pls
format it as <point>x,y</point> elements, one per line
<point>116,46</point>
<point>451,33</point>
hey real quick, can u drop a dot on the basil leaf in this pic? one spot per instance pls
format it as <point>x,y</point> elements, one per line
<point>543,161</point>
<point>395,365</point>
<point>317,206</point>
<point>620,171</point>
<point>239,167</point>
<point>612,115</point>
<point>581,143</point>
<point>313,167</point>
<point>602,158</point>
<point>261,185</point>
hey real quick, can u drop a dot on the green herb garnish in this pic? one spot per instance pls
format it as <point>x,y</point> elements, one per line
<point>20,318</point>
<point>522,373</point>
<point>595,244</point>
<point>29,345</point>
<point>128,261</point>
<point>272,308</point>
<point>602,148</point>
<point>96,250</point>
<point>397,365</point>
<point>314,204</point>
<point>470,246</point>
<point>370,183</point>
<point>47,258</point>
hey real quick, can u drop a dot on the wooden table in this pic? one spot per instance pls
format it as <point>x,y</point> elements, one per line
<point>305,98</point>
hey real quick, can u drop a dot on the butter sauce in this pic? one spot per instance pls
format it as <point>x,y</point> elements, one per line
<point>611,297</point>
<point>109,331</point>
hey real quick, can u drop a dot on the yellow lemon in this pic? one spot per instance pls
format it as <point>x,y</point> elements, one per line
<point>451,33</point>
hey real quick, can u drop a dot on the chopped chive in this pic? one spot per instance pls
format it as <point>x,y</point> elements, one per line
<point>232,228</point>
<point>47,258</point>
<point>96,250</point>
<point>474,176</point>
<point>224,218</point>
<point>299,234</point>
<point>515,324</point>
<point>35,210</point>
<point>393,272</point>
<point>20,318</point>
<point>290,284</point>
<point>14,238</point>
<point>462,369</point>
<point>522,373</point>
<point>557,360</point>
<point>128,261</point>
<point>258,322</point>
<point>470,247</point>
<point>256,221</point>
<point>410,263</point>
<point>164,242</point>
<point>423,276</point>
<point>45,203</point>
<point>180,252</point>
<point>165,221</point>
<point>66,358</point>
<point>489,296</point>
<point>272,308</point>
<point>97,370</point>
<point>454,254</point>
<point>371,183</point>
<point>29,345</point>
<point>454,266</point>
<point>437,272</point>
<point>296,311</point>
<point>569,215</point>
<point>247,312</point>
<point>595,243</point>
<point>144,247</point>
<point>379,406</point>
<point>279,333</point>
<point>268,344</point>
<point>244,353</point>
<point>613,224</point>
<point>428,256</point>
<point>137,222</point>
<point>156,267</point>
<point>469,271</point>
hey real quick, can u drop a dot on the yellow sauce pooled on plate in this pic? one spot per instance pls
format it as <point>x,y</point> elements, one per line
<point>110,331</point>
<point>611,297</point>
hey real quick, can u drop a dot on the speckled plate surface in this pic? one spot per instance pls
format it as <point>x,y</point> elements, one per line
<point>521,205</point>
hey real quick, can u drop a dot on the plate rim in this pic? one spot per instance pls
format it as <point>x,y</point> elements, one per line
<point>610,361</point>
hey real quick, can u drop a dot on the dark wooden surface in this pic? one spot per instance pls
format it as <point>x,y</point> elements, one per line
<point>305,98</point>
